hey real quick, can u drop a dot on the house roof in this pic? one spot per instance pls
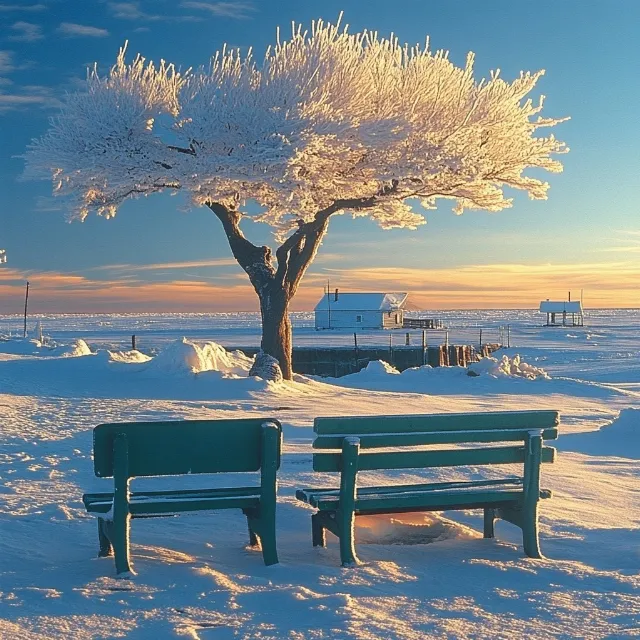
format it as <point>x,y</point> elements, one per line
<point>554,306</point>
<point>362,302</point>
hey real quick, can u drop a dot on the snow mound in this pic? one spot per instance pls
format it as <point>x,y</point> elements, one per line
<point>184,357</point>
<point>266,367</point>
<point>128,357</point>
<point>619,438</point>
<point>380,368</point>
<point>507,367</point>
<point>626,426</point>
<point>408,529</point>
<point>76,349</point>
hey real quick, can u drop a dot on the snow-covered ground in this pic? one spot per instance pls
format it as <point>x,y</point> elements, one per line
<point>422,575</point>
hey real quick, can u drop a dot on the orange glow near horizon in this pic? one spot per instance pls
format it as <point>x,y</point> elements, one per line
<point>481,286</point>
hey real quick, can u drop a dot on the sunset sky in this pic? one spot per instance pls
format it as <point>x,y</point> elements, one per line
<point>159,255</point>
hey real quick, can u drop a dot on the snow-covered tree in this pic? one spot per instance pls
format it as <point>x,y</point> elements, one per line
<point>329,123</point>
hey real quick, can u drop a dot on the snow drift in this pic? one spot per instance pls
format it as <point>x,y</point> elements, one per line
<point>76,349</point>
<point>184,357</point>
<point>620,437</point>
<point>507,367</point>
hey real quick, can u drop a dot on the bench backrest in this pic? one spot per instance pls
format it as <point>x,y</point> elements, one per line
<point>183,447</point>
<point>392,432</point>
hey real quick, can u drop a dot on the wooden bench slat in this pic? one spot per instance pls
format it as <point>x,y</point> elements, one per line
<point>182,447</point>
<point>180,492</point>
<point>462,498</point>
<point>378,499</point>
<point>148,502</point>
<point>426,459</point>
<point>169,505</point>
<point>302,494</point>
<point>381,440</point>
<point>360,425</point>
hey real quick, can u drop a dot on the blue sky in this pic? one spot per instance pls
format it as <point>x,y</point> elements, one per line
<point>158,256</point>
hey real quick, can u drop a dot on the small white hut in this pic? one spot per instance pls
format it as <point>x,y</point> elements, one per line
<point>558,313</point>
<point>339,310</point>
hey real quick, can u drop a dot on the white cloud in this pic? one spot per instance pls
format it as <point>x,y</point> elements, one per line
<point>126,10</point>
<point>22,7</point>
<point>161,266</point>
<point>21,96</point>
<point>7,100</point>
<point>236,10</point>
<point>72,30</point>
<point>25,97</point>
<point>132,11</point>
<point>26,32</point>
<point>6,62</point>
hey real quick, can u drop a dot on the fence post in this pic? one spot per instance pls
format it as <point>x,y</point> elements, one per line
<point>424,347</point>
<point>133,342</point>
<point>355,342</point>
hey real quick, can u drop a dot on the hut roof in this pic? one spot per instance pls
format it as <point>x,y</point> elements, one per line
<point>554,306</point>
<point>362,302</point>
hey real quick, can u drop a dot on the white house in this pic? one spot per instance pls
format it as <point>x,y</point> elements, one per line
<point>558,312</point>
<point>339,310</point>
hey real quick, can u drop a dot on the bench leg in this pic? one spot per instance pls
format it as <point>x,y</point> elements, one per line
<point>489,517</point>
<point>267,533</point>
<point>317,531</point>
<point>103,539</point>
<point>527,520</point>
<point>269,548</point>
<point>253,538</point>
<point>346,524</point>
<point>262,533</point>
<point>530,538</point>
<point>119,536</point>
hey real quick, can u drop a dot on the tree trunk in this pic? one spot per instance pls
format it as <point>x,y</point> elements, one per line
<point>276,327</point>
<point>277,286</point>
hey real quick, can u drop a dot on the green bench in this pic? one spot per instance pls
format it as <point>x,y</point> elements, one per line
<point>136,449</point>
<point>514,499</point>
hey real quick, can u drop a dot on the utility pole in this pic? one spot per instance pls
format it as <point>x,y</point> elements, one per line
<point>26,302</point>
<point>329,303</point>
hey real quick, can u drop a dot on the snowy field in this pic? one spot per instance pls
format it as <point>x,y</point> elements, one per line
<point>422,575</point>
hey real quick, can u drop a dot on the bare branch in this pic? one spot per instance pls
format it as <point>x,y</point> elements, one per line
<point>255,260</point>
<point>190,151</point>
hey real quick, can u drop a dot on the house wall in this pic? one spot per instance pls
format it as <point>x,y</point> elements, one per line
<point>348,319</point>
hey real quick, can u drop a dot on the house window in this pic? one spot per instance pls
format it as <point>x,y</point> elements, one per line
<point>358,318</point>
<point>397,318</point>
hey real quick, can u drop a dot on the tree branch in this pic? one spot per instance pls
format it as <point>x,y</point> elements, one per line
<point>190,151</point>
<point>298,251</point>
<point>255,260</point>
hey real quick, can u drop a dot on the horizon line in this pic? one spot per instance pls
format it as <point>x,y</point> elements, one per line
<point>466,309</point>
